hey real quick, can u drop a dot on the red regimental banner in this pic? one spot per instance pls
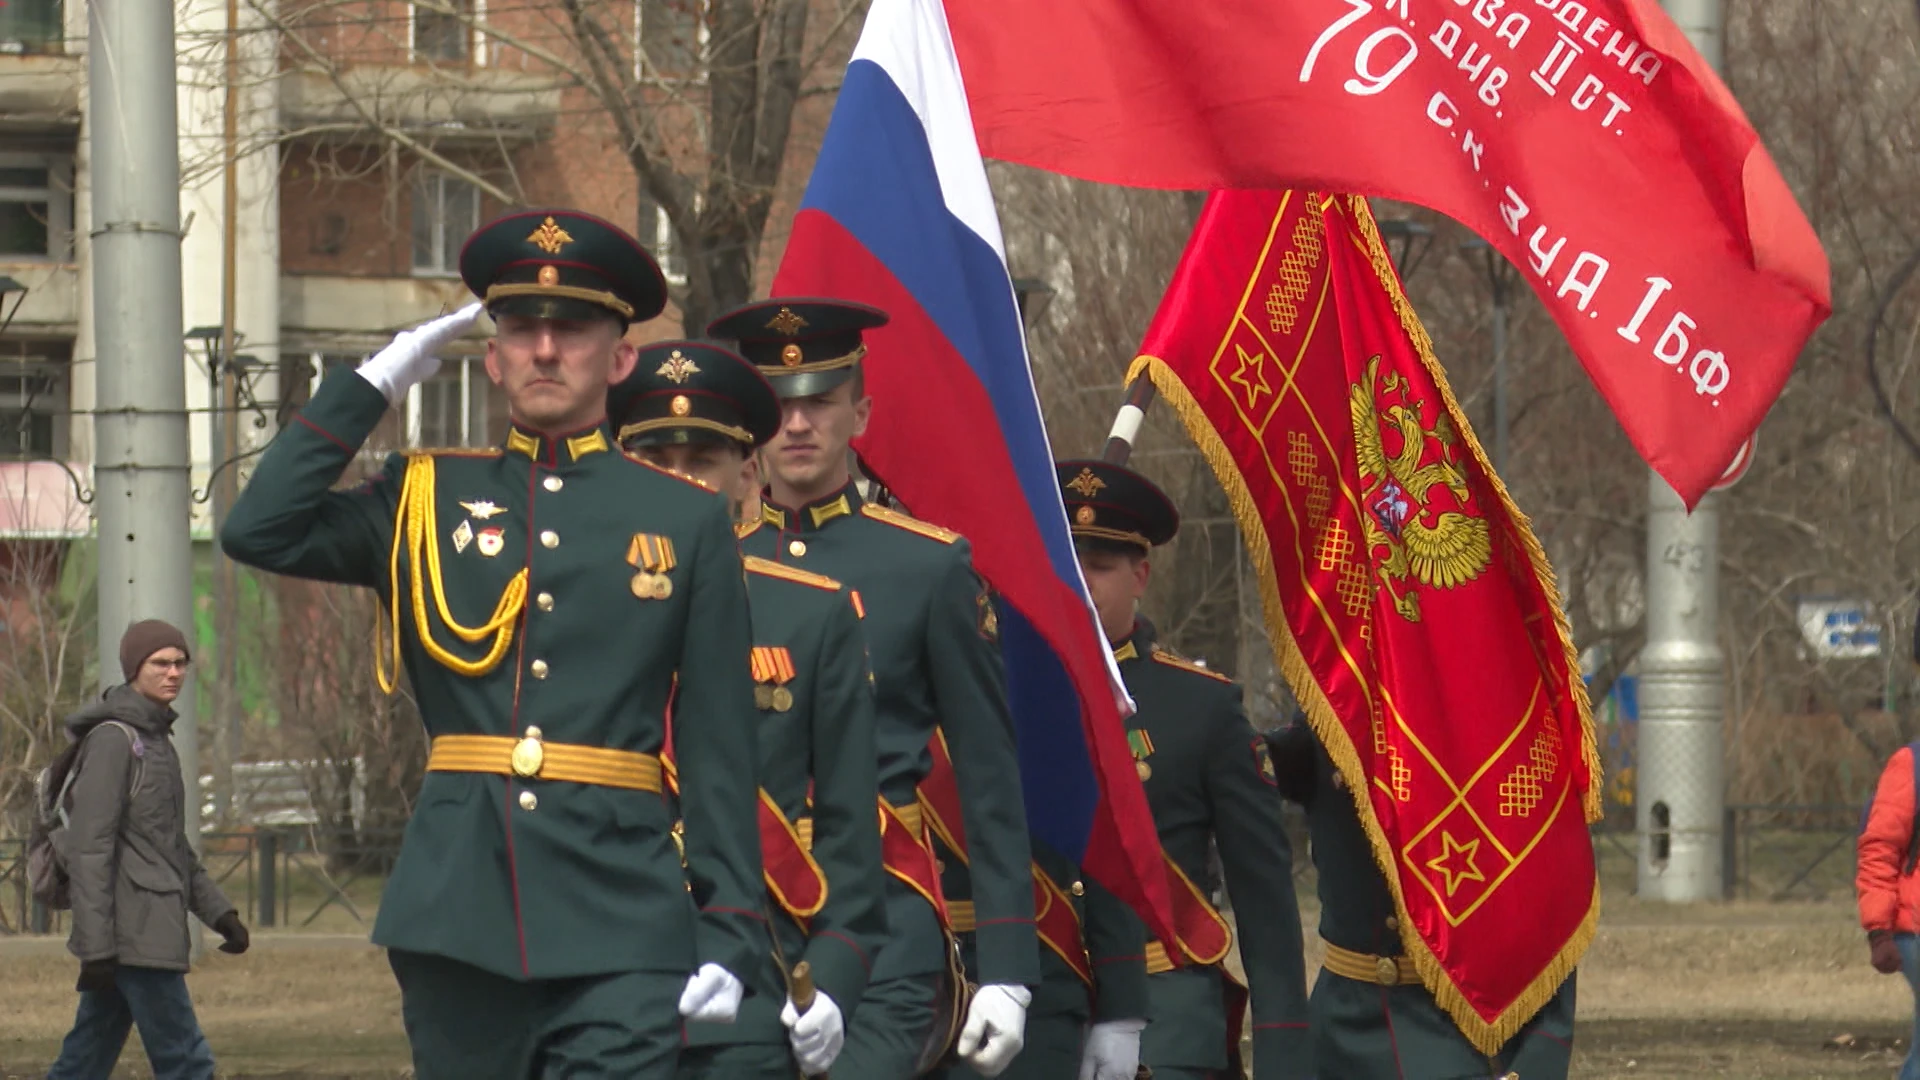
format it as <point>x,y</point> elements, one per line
<point>1586,139</point>
<point>1408,602</point>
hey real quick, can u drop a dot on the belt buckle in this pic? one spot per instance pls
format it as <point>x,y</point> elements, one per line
<point>529,755</point>
<point>1387,971</point>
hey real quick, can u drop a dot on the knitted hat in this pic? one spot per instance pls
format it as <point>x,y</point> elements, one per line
<point>145,638</point>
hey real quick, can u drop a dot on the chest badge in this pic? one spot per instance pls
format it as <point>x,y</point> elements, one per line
<point>482,508</point>
<point>1142,746</point>
<point>462,536</point>
<point>772,670</point>
<point>491,540</point>
<point>653,556</point>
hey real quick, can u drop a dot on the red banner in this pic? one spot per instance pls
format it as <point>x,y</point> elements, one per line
<point>1409,604</point>
<point>1586,139</point>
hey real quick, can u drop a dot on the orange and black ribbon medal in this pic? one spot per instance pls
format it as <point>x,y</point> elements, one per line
<point>653,555</point>
<point>772,670</point>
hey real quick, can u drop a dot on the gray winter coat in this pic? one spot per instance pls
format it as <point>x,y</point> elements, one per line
<point>135,878</point>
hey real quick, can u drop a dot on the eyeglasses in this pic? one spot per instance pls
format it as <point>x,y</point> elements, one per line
<point>171,665</point>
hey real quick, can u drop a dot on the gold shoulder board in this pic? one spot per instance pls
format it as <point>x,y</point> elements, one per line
<point>1175,660</point>
<point>768,568</point>
<point>457,451</point>
<point>645,464</point>
<point>912,524</point>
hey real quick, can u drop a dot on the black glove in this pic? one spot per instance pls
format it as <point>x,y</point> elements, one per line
<point>96,975</point>
<point>229,926</point>
<point>1886,955</point>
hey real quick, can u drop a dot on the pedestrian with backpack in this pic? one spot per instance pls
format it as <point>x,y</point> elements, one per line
<point>1887,885</point>
<point>119,847</point>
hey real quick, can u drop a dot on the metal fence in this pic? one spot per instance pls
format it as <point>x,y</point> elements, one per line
<point>297,879</point>
<point>300,879</point>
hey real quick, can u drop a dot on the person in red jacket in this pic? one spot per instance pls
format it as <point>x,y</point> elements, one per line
<point>1888,887</point>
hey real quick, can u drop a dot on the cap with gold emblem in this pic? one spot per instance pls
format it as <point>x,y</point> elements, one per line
<point>1113,506</point>
<point>561,264</point>
<point>805,346</point>
<point>693,391</point>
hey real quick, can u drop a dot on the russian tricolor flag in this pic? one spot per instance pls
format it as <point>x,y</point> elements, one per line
<point>898,214</point>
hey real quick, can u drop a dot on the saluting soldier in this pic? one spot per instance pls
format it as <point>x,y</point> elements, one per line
<point>543,596</point>
<point>1208,777</point>
<point>699,410</point>
<point>936,662</point>
<point>1372,1018</point>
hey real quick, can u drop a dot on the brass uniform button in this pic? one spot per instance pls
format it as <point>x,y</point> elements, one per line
<point>1078,889</point>
<point>539,669</point>
<point>797,548</point>
<point>529,801</point>
<point>544,601</point>
<point>554,483</point>
<point>1387,971</point>
<point>1393,923</point>
<point>1339,780</point>
<point>549,539</point>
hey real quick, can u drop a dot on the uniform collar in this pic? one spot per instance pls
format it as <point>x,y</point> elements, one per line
<point>1137,644</point>
<point>564,448</point>
<point>815,515</point>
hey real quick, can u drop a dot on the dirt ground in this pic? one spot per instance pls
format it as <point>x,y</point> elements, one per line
<point>1753,991</point>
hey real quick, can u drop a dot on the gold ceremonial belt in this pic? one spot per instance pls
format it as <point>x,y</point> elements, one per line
<point>909,815</point>
<point>1157,959</point>
<point>1381,970</point>
<point>532,759</point>
<point>960,914</point>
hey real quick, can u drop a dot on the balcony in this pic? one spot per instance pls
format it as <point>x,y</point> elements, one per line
<point>52,304</point>
<point>39,94</point>
<point>481,105</point>
<point>363,310</point>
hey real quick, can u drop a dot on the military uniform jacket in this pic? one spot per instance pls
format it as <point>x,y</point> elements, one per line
<point>936,660</point>
<point>536,878</point>
<point>1208,777</point>
<point>1399,1032</point>
<point>817,764</point>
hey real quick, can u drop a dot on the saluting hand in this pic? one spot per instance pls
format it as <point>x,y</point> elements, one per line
<point>414,354</point>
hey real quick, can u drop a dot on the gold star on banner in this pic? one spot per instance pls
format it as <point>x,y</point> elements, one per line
<point>1456,872</point>
<point>1252,375</point>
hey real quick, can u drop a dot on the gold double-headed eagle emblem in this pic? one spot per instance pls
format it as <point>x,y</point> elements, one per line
<point>1434,547</point>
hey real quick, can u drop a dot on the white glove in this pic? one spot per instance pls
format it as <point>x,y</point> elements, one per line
<point>996,1027</point>
<point>712,995</point>
<point>413,355</point>
<point>1112,1051</point>
<point>817,1036</point>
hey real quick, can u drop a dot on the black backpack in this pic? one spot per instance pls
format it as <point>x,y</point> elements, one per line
<point>52,796</point>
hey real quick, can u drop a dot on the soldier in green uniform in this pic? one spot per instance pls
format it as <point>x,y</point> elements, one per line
<point>699,410</point>
<point>1208,776</point>
<point>546,598</point>
<point>936,662</point>
<point>1091,1004</point>
<point>1372,1019</point>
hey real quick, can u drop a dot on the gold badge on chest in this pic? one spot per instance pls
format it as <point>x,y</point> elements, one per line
<point>652,555</point>
<point>773,669</point>
<point>491,540</point>
<point>1142,746</point>
<point>462,536</point>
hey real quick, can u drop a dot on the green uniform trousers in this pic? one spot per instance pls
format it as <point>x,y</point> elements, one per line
<point>464,1023</point>
<point>738,1061</point>
<point>890,1028</point>
<point>1362,1031</point>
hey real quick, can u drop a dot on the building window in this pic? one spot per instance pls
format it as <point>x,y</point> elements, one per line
<point>443,33</point>
<point>656,232</point>
<point>30,27</point>
<point>671,36</point>
<point>450,409</point>
<point>446,211</point>
<point>33,400</point>
<point>36,206</point>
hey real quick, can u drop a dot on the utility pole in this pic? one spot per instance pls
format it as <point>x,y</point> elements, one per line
<point>226,446</point>
<point>140,458</point>
<point>1680,771</point>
